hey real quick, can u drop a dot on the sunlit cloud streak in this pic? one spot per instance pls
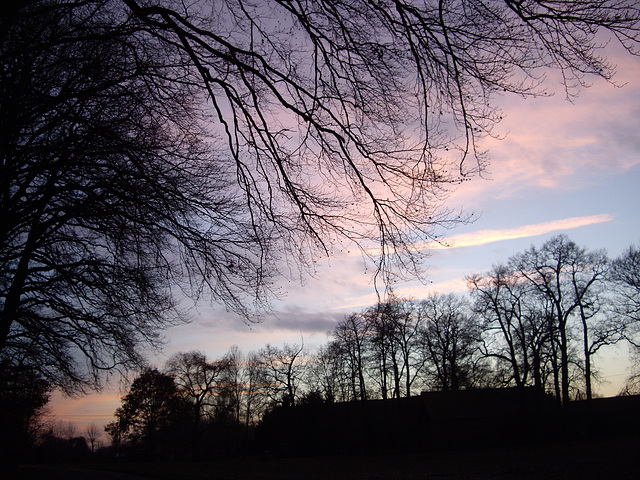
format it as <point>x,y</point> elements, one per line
<point>474,239</point>
<point>482,237</point>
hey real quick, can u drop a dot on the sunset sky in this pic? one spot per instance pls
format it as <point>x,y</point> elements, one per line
<point>561,167</point>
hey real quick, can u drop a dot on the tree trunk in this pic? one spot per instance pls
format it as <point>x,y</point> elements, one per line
<point>195,433</point>
<point>564,365</point>
<point>587,354</point>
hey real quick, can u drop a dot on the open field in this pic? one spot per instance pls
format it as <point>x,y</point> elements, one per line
<point>602,458</point>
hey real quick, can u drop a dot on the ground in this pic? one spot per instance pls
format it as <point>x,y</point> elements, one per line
<point>605,457</point>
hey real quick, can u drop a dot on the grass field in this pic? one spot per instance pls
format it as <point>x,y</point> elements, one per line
<point>604,458</point>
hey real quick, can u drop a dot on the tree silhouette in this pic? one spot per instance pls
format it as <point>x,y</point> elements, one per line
<point>351,336</point>
<point>93,436</point>
<point>110,193</point>
<point>23,396</point>
<point>152,404</point>
<point>516,330</point>
<point>154,147</point>
<point>450,342</point>
<point>197,381</point>
<point>283,370</point>
<point>625,274</point>
<point>568,283</point>
<point>625,278</point>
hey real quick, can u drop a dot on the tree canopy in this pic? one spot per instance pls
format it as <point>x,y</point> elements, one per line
<point>208,148</point>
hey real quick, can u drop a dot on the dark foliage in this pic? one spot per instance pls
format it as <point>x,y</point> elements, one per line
<point>153,418</point>
<point>23,395</point>
<point>54,449</point>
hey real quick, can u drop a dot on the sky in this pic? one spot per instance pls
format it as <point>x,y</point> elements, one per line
<point>559,167</point>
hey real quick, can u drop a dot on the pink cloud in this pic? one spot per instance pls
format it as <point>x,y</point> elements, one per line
<point>552,143</point>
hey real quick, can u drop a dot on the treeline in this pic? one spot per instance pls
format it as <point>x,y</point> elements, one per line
<point>536,320</point>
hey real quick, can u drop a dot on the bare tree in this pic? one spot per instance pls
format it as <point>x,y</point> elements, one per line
<point>570,280</point>
<point>65,430</point>
<point>146,145</point>
<point>409,322</point>
<point>625,275</point>
<point>358,97</point>
<point>394,345</point>
<point>382,348</point>
<point>93,434</point>
<point>352,337</point>
<point>625,279</point>
<point>450,341</point>
<point>255,396</point>
<point>329,373</point>
<point>516,330</point>
<point>197,380</point>
<point>111,193</point>
<point>284,371</point>
<point>546,270</point>
<point>588,275</point>
<point>233,382</point>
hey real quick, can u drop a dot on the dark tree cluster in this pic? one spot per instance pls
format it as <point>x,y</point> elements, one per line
<point>110,194</point>
<point>536,320</point>
<point>23,398</point>
<point>399,347</point>
<point>194,405</point>
<point>551,309</point>
<point>61,443</point>
<point>531,325</point>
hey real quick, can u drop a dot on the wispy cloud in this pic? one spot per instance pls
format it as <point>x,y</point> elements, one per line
<point>453,285</point>
<point>482,237</point>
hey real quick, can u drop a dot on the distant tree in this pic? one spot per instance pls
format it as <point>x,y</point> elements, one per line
<point>409,322</point>
<point>197,381</point>
<point>162,146</point>
<point>382,349</point>
<point>330,374</point>
<point>60,442</point>
<point>450,340</point>
<point>233,381</point>
<point>152,404</point>
<point>588,277</point>
<point>625,281</point>
<point>570,280</point>
<point>65,430</point>
<point>498,298</point>
<point>93,436</point>
<point>394,327</point>
<point>625,275</point>
<point>24,395</point>
<point>352,337</point>
<point>255,398</point>
<point>516,329</point>
<point>284,371</point>
<point>546,270</point>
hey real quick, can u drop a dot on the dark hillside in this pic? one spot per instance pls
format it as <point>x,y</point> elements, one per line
<point>438,421</point>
